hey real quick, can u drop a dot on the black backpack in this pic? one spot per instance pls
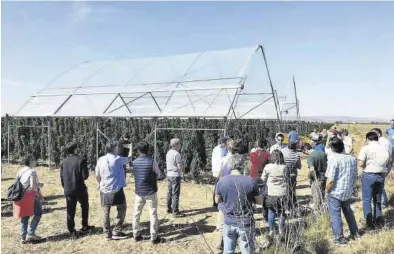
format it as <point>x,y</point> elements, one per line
<point>16,190</point>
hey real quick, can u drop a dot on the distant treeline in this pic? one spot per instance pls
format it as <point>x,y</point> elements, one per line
<point>196,145</point>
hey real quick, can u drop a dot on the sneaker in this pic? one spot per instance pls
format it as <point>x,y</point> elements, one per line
<point>33,237</point>
<point>138,238</point>
<point>87,229</point>
<point>157,240</point>
<point>341,241</point>
<point>119,236</point>
<point>169,211</point>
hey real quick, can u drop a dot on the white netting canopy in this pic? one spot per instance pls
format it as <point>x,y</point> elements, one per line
<point>228,83</point>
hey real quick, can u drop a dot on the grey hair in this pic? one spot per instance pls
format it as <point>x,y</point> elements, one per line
<point>174,142</point>
<point>236,161</point>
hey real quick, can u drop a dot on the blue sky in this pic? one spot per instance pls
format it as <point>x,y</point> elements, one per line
<point>341,53</point>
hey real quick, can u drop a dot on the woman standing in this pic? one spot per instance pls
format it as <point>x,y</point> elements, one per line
<point>274,175</point>
<point>30,204</point>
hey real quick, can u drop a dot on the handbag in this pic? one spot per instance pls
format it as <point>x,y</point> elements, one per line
<point>16,190</point>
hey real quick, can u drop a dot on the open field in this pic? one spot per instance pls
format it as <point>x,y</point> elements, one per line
<point>192,234</point>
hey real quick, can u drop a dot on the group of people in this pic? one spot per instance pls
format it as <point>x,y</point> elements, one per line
<point>269,179</point>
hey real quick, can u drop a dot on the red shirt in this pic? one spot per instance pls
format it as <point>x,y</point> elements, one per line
<point>258,160</point>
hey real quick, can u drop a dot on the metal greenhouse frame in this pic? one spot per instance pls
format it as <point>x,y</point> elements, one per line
<point>292,105</point>
<point>231,84</point>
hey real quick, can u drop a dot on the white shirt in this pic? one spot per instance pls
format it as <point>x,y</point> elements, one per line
<point>216,161</point>
<point>278,147</point>
<point>25,174</point>
<point>329,153</point>
<point>386,144</point>
<point>348,142</point>
<point>375,156</point>
<point>110,168</point>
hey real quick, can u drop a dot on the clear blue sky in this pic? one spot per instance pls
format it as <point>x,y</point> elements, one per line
<point>341,53</point>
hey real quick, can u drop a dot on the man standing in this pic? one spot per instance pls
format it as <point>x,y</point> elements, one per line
<point>387,145</point>
<point>175,166</point>
<point>235,194</point>
<point>390,133</point>
<point>373,159</point>
<point>324,135</point>
<point>317,164</point>
<point>218,153</point>
<point>279,143</point>
<point>293,135</point>
<point>341,175</point>
<point>317,143</point>
<point>110,175</point>
<point>73,173</point>
<point>293,164</point>
<point>258,159</point>
<point>146,172</point>
<point>348,142</point>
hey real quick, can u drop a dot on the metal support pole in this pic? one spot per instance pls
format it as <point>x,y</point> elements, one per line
<point>49,145</point>
<point>154,148</point>
<point>272,88</point>
<point>8,141</point>
<point>97,141</point>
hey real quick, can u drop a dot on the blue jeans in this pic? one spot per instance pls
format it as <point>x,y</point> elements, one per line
<point>231,234</point>
<point>384,194</point>
<point>385,199</point>
<point>335,206</point>
<point>34,223</point>
<point>372,189</point>
<point>271,218</point>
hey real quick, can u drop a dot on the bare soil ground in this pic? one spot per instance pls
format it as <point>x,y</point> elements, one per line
<point>192,234</point>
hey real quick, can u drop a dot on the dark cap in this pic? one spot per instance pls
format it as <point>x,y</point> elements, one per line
<point>223,139</point>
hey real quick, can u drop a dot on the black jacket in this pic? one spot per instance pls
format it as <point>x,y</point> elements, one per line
<point>73,173</point>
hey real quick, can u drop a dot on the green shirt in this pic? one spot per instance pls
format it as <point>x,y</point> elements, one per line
<point>318,160</point>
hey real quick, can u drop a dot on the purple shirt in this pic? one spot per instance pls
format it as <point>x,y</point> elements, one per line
<point>237,192</point>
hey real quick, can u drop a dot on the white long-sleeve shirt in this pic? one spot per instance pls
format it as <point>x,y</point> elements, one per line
<point>216,161</point>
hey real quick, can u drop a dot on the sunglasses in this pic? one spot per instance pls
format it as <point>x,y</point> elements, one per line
<point>279,139</point>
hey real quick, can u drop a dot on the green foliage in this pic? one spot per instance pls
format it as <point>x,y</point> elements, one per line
<point>197,146</point>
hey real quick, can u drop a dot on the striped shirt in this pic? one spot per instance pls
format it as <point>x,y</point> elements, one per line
<point>293,161</point>
<point>342,170</point>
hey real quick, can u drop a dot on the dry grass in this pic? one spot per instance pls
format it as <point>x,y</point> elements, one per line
<point>184,235</point>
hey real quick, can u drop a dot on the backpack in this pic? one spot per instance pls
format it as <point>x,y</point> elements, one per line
<point>16,190</point>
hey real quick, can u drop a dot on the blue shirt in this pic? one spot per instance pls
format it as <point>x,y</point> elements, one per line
<point>320,147</point>
<point>237,192</point>
<point>390,134</point>
<point>342,170</point>
<point>223,151</point>
<point>293,136</point>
